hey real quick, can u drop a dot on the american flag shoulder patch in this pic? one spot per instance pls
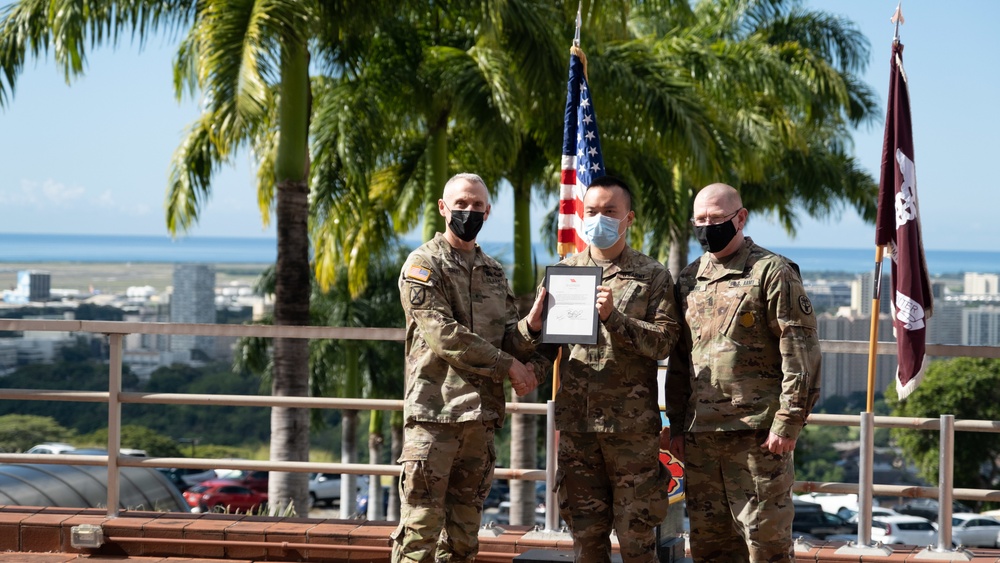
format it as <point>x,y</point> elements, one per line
<point>418,273</point>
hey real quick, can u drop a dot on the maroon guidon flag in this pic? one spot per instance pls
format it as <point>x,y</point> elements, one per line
<point>898,227</point>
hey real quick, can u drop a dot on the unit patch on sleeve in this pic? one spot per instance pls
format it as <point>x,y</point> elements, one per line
<point>805,305</point>
<point>418,294</point>
<point>418,273</point>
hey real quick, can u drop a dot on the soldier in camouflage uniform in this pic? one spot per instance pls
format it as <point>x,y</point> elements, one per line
<point>463,339</point>
<point>741,382</point>
<point>609,474</point>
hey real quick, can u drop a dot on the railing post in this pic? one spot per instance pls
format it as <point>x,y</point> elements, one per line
<point>114,421</point>
<point>946,475</point>
<point>867,474</point>
<point>551,459</point>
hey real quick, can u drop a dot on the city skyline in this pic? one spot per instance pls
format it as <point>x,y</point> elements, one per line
<point>92,157</point>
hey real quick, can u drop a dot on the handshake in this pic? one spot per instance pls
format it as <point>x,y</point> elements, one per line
<point>522,378</point>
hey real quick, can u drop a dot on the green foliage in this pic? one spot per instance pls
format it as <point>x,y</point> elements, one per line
<point>18,432</point>
<point>815,458</point>
<point>968,388</point>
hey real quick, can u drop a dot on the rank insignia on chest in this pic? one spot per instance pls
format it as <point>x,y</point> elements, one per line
<point>747,319</point>
<point>418,273</point>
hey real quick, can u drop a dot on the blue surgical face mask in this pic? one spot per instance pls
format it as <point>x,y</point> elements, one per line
<point>601,230</point>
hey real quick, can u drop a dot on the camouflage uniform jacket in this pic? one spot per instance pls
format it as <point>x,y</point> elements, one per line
<point>748,356</point>
<point>461,331</point>
<point>612,386</point>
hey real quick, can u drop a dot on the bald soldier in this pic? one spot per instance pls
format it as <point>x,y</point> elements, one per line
<point>463,340</point>
<point>741,382</point>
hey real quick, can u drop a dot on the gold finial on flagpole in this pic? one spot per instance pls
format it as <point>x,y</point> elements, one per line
<point>897,18</point>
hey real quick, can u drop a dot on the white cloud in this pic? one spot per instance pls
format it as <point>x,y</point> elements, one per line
<point>42,194</point>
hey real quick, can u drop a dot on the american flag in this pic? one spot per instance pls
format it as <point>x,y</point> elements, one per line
<point>898,227</point>
<point>582,159</point>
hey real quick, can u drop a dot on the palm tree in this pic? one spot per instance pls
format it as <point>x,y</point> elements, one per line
<point>250,61</point>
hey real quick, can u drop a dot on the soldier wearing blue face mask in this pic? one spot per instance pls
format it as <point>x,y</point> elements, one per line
<point>609,476</point>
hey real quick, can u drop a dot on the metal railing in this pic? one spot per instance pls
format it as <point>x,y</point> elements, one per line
<point>115,397</point>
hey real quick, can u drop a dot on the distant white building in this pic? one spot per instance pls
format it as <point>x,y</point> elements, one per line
<point>981,284</point>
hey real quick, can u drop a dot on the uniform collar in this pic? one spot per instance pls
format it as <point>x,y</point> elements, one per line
<point>623,263</point>
<point>712,269</point>
<point>446,250</point>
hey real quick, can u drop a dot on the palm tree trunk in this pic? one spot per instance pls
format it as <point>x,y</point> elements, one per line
<point>349,430</point>
<point>523,428</point>
<point>290,426</point>
<point>375,441</point>
<point>433,221</point>
<point>523,282</point>
<point>523,455</point>
<point>396,445</point>
<point>678,256</point>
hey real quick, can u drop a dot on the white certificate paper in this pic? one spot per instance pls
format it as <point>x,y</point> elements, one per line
<point>570,314</point>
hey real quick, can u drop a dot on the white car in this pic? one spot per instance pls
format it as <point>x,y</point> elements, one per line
<point>974,530</point>
<point>51,448</point>
<point>876,512</point>
<point>324,488</point>
<point>902,529</point>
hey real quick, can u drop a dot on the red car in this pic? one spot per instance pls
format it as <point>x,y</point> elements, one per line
<point>223,495</point>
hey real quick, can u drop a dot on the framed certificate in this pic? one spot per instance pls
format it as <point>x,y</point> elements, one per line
<point>570,314</point>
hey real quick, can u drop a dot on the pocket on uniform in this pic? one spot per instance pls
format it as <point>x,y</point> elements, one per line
<point>415,451</point>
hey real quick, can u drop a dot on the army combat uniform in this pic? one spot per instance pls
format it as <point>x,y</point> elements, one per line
<point>747,363</point>
<point>462,334</point>
<point>609,421</point>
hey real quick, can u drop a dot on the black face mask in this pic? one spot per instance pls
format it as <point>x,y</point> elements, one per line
<point>714,238</point>
<point>466,224</point>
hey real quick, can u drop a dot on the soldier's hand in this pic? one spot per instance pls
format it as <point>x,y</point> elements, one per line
<point>534,317</point>
<point>605,302</point>
<point>778,444</point>
<point>522,378</point>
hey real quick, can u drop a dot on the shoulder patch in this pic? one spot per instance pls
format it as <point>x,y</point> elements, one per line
<point>418,273</point>
<point>805,305</point>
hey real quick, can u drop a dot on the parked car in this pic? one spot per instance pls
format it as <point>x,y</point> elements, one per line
<point>51,448</point>
<point>974,530</point>
<point>876,512</point>
<point>499,492</point>
<point>256,480</point>
<point>224,495</point>
<point>904,529</point>
<point>324,488</point>
<point>184,478</point>
<point>927,508</point>
<point>810,520</point>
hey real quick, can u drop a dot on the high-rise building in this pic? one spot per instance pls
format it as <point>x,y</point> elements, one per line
<point>981,326</point>
<point>981,284</point>
<point>862,291</point>
<point>844,374</point>
<point>193,301</point>
<point>32,286</point>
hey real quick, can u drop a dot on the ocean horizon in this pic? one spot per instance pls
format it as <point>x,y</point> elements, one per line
<point>42,248</point>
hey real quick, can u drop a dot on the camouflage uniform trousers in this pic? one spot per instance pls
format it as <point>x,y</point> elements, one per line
<point>738,498</point>
<point>447,473</point>
<point>612,480</point>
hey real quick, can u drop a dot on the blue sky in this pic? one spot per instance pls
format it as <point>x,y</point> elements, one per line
<point>93,156</point>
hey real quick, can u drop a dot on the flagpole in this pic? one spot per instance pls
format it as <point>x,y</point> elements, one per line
<point>873,331</point>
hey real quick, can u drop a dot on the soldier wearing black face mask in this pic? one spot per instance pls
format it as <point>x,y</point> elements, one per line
<point>742,379</point>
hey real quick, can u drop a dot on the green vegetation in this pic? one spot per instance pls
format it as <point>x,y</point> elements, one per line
<point>968,388</point>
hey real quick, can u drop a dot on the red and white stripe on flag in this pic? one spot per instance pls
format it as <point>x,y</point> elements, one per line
<point>571,239</point>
